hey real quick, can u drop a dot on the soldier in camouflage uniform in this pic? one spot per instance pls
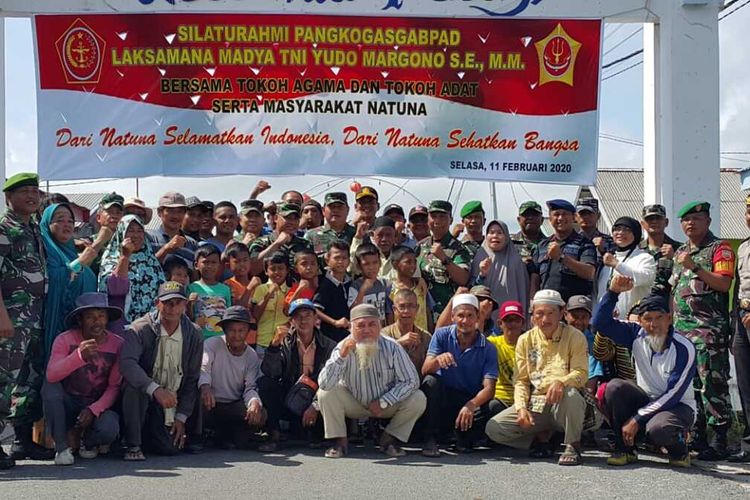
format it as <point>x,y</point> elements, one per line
<point>284,239</point>
<point>659,245</point>
<point>443,261</point>
<point>23,285</point>
<point>335,212</point>
<point>472,221</point>
<point>701,279</point>
<point>530,218</point>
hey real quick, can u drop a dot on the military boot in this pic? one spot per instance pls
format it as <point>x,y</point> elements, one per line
<point>24,446</point>
<point>717,449</point>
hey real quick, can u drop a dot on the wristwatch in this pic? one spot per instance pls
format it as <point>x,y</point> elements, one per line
<point>383,404</point>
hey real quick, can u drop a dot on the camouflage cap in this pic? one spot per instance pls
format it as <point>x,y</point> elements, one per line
<point>529,205</point>
<point>440,206</point>
<point>333,198</point>
<point>248,206</point>
<point>694,207</point>
<point>588,205</point>
<point>656,209</point>
<point>285,209</point>
<point>111,199</point>
<point>21,180</point>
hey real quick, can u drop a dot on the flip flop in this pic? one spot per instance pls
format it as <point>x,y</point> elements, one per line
<point>335,452</point>
<point>393,450</point>
<point>134,454</point>
<point>571,456</point>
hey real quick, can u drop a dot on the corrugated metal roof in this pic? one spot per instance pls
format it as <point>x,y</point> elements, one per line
<point>88,200</point>
<point>620,193</point>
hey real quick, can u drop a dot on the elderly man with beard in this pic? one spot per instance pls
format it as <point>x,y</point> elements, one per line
<point>551,372</point>
<point>369,375</point>
<point>460,374</point>
<point>228,381</point>
<point>661,403</point>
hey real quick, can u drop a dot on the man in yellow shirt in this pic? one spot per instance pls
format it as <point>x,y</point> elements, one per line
<point>512,321</point>
<point>551,371</point>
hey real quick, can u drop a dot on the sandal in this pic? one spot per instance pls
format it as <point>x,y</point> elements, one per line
<point>393,450</point>
<point>431,449</point>
<point>134,454</point>
<point>335,452</point>
<point>269,447</point>
<point>541,450</point>
<point>571,456</point>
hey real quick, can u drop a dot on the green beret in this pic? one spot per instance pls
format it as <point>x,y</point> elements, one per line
<point>471,207</point>
<point>694,207</point>
<point>440,206</point>
<point>21,180</point>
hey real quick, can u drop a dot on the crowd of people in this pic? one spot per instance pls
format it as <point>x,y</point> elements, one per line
<point>278,322</point>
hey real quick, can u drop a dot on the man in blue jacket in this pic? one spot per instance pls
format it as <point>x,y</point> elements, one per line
<point>662,404</point>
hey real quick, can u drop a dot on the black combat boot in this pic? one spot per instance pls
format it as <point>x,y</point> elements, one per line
<point>717,449</point>
<point>24,446</point>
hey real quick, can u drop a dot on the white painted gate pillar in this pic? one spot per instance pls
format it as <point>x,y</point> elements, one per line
<point>681,107</point>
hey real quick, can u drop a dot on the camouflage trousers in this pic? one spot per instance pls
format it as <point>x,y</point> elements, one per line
<point>21,376</point>
<point>711,384</point>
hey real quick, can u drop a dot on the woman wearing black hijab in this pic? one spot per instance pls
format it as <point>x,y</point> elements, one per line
<point>628,260</point>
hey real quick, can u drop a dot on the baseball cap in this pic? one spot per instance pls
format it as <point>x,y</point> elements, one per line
<point>300,304</point>
<point>110,200</point>
<point>393,207</point>
<point>194,201</point>
<point>470,207</point>
<point>333,198</point>
<point>365,192</point>
<point>312,203</point>
<point>236,313</point>
<point>579,302</point>
<point>463,299</point>
<point>440,206</point>
<point>248,206</point>
<point>172,200</point>
<point>364,311</point>
<point>511,308</point>
<point>285,209</point>
<point>551,297</point>
<point>588,204</point>
<point>418,210</point>
<point>529,205</point>
<point>482,292</point>
<point>655,209</point>
<point>171,290</point>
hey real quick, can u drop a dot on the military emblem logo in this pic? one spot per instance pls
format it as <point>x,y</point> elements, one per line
<point>81,52</point>
<point>557,57</point>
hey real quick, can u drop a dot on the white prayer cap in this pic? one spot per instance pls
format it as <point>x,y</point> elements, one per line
<point>465,299</point>
<point>551,297</point>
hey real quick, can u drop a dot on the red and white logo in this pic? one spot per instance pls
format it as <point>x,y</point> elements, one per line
<point>557,57</point>
<point>81,53</point>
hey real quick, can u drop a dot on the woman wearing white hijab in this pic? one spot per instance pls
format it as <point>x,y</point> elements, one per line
<point>498,266</point>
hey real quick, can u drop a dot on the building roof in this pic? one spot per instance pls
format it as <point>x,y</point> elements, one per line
<point>620,193</point>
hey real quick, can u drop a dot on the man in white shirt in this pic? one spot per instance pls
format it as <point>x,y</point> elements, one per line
<point>228,388</point>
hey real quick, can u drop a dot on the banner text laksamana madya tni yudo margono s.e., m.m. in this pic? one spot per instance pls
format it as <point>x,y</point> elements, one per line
<point>134,95</point>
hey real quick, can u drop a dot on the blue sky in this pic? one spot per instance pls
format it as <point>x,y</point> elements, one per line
<point>621,115</point>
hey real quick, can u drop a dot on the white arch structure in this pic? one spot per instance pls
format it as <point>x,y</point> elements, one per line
<point>681,66</point>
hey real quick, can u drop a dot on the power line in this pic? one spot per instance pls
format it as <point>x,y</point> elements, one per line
<point>612,32</point>
<point>622,71</point>
<point>626,39</point>
<point>622,59</point>
<point>744,4</point>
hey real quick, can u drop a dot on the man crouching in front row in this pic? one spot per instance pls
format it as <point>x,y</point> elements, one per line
<point>369,375</point>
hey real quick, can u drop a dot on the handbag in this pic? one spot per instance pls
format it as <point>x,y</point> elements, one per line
<point>301,395</point>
